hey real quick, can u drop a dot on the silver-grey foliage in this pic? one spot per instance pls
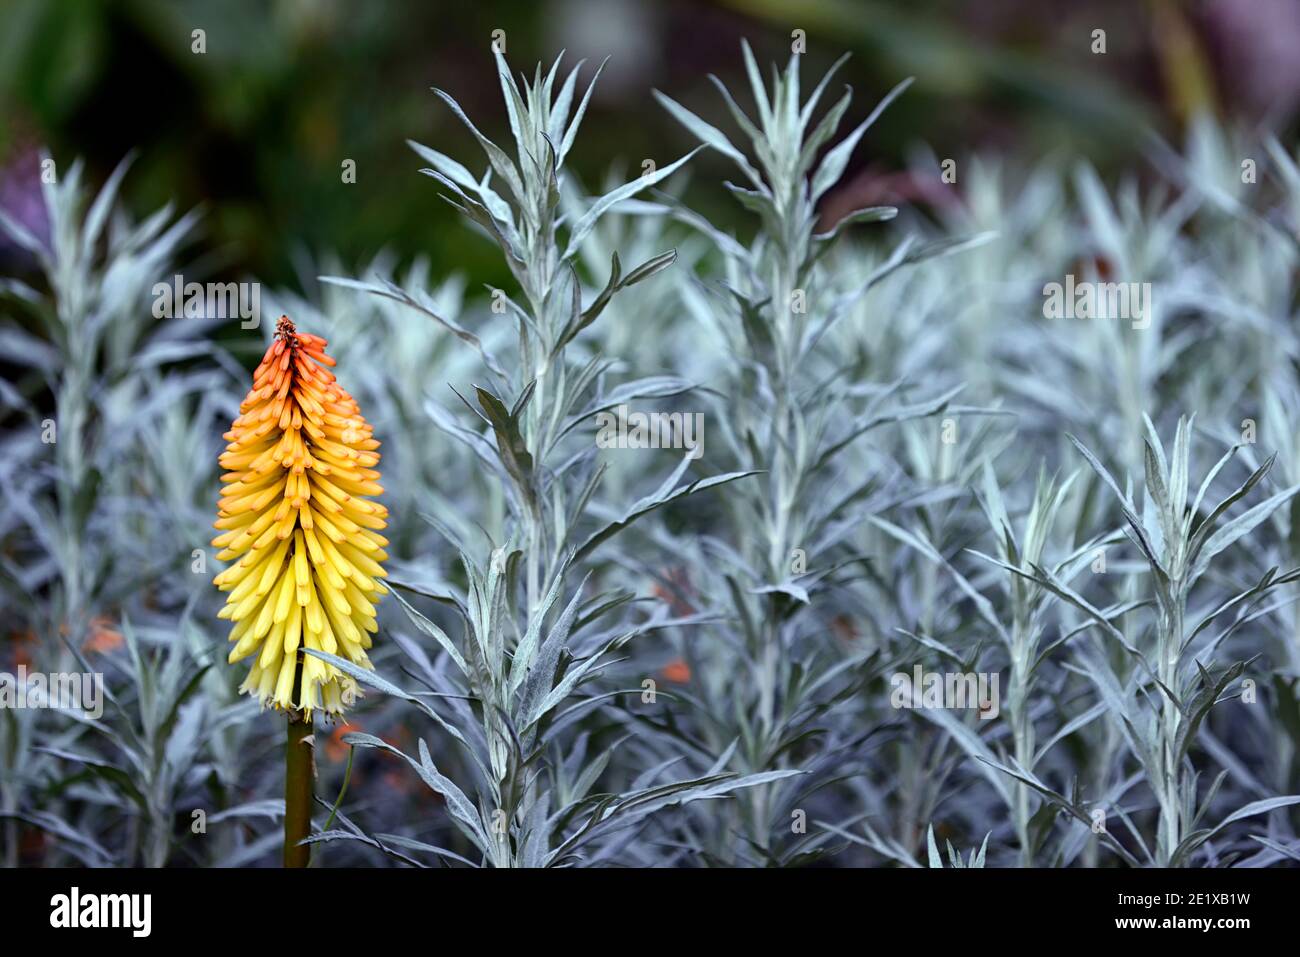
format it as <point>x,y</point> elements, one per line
<point>638,657</point>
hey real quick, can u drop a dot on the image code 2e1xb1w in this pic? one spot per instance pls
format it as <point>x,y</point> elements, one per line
<point>653,437</point>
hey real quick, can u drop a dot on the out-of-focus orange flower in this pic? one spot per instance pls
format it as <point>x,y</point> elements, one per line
<point>103,637</point>
<point>336,749</point>
<point>21,644</point>
<point>677,671</point>
<point>294,512</point>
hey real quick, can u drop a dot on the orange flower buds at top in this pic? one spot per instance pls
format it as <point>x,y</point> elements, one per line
<point>294,512</point>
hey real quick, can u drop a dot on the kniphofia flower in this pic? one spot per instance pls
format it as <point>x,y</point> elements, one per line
<point>294,512</point>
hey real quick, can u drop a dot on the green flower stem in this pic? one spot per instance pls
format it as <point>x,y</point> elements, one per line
<point>297,791</point>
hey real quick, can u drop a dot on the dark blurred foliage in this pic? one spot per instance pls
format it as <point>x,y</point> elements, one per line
<point>255,130</point>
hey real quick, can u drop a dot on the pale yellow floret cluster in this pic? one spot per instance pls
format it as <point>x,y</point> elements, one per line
<point>300,463</point>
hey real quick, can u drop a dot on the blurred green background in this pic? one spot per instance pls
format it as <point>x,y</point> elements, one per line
<point>255,130</point>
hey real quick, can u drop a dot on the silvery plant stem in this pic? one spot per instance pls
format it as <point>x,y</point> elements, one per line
<point>784,475</point>
<point>1022,731</point>
<point>1170,828</point>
